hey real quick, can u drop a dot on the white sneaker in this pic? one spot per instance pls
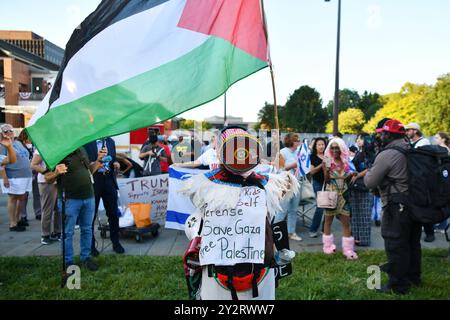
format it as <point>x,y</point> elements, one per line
<point>286,254</point>
<point>295,237</point>
<point>313,234</point>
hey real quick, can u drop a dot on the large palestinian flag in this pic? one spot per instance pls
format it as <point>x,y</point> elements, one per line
<point>133,63</point>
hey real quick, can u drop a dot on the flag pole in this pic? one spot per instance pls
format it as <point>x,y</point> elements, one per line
<point>225,109</point>
<point>276,142</point>
<point>269,59</point>
<point>63,223</point>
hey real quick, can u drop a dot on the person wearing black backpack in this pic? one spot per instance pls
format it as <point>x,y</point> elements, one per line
<point>400,232</point>
<point>416,139</point>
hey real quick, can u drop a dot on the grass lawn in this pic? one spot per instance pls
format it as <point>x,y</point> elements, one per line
<point>315,276</point>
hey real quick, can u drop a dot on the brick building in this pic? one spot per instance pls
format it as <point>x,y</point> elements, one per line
<point>28,66</point>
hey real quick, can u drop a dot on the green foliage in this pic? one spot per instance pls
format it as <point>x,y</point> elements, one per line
<point>349,121</point>
<point>427,105</point>
<point>189,124</point>
<point>370,103</point>
<point>316,276</point>
<point>434,107</point>
<point>402,106</point>
<point>266,117</point>
<point>347,99</point>
<point>303,111</point>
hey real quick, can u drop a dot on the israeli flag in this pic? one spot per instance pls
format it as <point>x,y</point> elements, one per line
<point>304,161</point>
<point>179,207</point>
<point>351,166</point>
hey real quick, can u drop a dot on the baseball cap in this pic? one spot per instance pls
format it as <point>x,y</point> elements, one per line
<point>393,126</point>
<point>412,125</point>
<point>382,122</point>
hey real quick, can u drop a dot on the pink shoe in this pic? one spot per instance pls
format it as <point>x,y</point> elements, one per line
<point>328,244</point>
<point>348,245</point>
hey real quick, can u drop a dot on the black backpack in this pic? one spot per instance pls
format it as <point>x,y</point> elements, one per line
<point>428,198</point>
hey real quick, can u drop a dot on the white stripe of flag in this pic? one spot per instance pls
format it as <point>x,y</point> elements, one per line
<point>304,161</point>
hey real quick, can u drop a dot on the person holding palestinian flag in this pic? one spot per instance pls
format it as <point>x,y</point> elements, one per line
<point>231,254</point>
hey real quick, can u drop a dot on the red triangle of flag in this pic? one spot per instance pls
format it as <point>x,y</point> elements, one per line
<point>237,21</point>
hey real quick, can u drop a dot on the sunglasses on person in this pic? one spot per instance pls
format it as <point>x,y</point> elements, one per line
<point>335,148</point>
<point>8,131</point>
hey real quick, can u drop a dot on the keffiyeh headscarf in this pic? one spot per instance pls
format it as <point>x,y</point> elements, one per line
<point>345,152</point>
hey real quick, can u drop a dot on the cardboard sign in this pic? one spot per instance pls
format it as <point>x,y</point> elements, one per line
<point>235,235</point>
<point>152,189</point>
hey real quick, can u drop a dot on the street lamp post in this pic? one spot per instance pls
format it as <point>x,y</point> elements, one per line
<point>336,86</point>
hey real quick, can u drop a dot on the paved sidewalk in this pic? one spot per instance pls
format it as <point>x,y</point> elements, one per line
<point>167,243</point>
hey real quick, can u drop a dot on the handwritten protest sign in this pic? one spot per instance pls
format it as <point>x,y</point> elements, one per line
<point>235,235</point>
<point>152,189</point>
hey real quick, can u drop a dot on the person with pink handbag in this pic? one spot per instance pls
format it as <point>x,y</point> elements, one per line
<point>337,174</point>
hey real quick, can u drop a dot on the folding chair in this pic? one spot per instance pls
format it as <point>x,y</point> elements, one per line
<point>306,206</point>
<point>305,211</point>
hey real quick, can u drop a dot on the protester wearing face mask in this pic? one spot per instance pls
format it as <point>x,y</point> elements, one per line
<point>152,154</point>
<point>400,232</point>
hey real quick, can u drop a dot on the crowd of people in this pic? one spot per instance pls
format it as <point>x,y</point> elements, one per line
<point>88,175</point>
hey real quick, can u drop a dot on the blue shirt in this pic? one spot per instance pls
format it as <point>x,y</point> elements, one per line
<point>290,157</point>
<point>21,168</point>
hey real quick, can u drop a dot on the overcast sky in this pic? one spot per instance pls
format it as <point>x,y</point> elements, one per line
<point>384,43</point>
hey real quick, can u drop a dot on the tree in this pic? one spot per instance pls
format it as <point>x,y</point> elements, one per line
<point>350,121</point>
<point>401,106</point>
<point>190,124</point>
<point>266,117</point>
<point>370,103</point>
<point>303,111</point>
<point>434,108</point>
<point>347,99</point>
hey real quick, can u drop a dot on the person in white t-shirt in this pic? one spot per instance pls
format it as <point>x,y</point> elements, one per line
<point>415,136</point>
<point>208,158</point>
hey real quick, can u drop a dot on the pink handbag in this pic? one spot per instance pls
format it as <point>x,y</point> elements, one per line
<point>327,199</point>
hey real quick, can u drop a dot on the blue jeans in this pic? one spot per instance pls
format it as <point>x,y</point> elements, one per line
<point>317,219</point>
<point>289,209</point>
<point>441,225</point>
<point>83,210</point>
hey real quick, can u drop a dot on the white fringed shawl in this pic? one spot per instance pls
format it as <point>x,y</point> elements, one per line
<point>201,190</point>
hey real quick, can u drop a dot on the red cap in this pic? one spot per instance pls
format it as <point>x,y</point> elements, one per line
<point>393,126</point>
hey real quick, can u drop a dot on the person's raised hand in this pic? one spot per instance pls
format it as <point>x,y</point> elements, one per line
<point>6,141</point>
